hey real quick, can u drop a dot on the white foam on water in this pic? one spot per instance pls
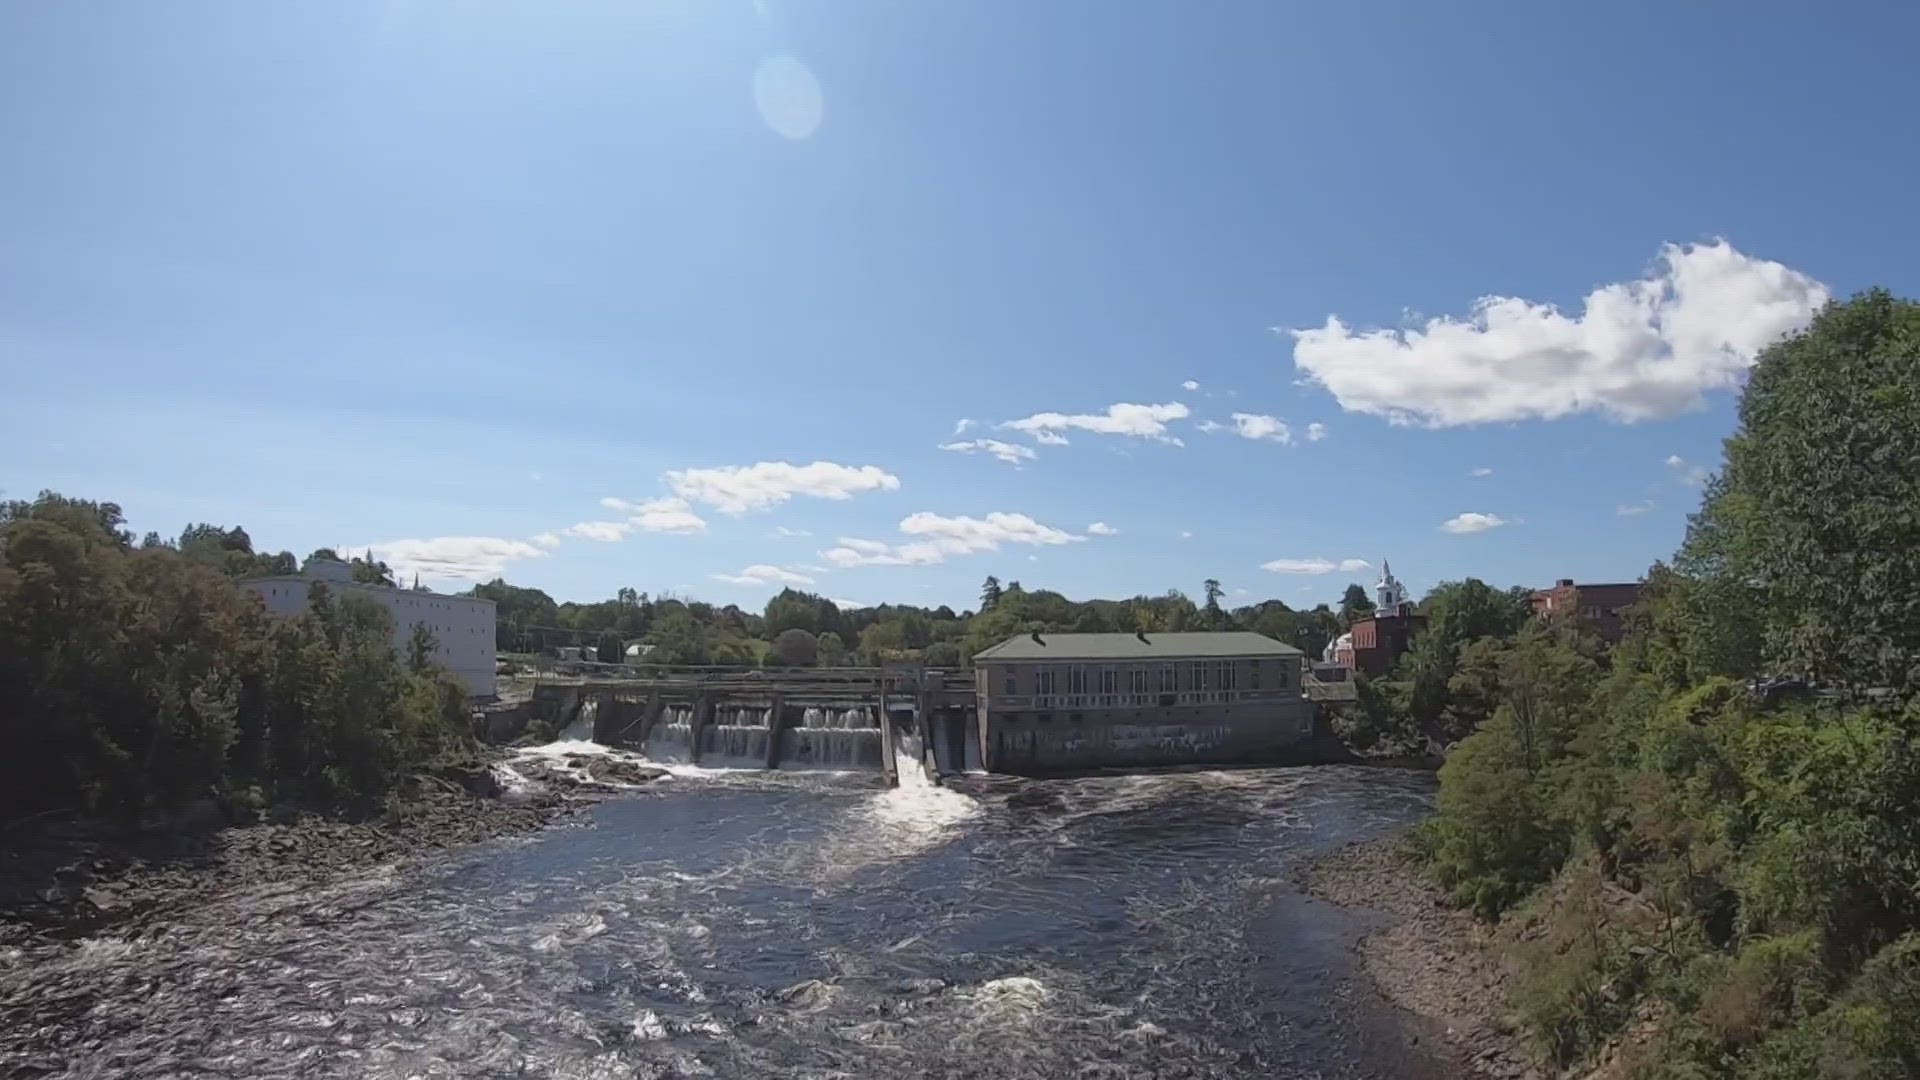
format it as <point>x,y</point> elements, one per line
<point>648,1027</point>
<point>919,813</point>
<point>1016,992</point>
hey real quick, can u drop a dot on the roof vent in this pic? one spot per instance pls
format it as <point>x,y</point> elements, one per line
<point>1037,639</point>
<point>1142,635</point>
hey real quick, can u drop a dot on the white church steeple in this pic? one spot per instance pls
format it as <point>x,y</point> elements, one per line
<point>1388,593</point>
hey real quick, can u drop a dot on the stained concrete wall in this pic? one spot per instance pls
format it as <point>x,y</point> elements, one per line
<point>1244,734</point>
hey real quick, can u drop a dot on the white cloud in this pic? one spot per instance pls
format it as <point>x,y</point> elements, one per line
<point>1461,524</point>
<point>1690,474</point>
<point>1137,421</point>
<point>605,532</point>
<point>1632,509</point>
<point>547,540</point>
<point>1185,535</point>
<point>1481,473</point>
<point>1316,566</point>
<point>1316,432</point>
<point>1011,453</point>
<point>847,605</point>
<point>964,426</point>
<point>782,530</point>
<point>762,574</point>
<point>467,558</point>
<point>1101,528</point>
<point>1639,350</point>
<point>1261,426</point>
<point>938,538</point>
<point>668,516</point>
<point>1189,385</point>
<point>736,489</point>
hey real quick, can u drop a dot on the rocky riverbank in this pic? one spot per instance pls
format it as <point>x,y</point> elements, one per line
<point>65,874</point>
<point>1431,959</point>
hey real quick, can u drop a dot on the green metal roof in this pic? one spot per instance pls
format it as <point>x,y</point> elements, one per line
<point>1136,647</point>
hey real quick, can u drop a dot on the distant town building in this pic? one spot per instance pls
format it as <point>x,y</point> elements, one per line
<point>1600,608</point>
<point>462,626</point>
<point>1067,701</point>
<point>1372,644</point>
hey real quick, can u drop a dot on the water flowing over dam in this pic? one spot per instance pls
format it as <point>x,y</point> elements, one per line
<point>748,923</point>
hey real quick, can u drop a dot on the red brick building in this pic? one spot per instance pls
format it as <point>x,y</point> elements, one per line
<point>1382,639</point>
<point>1600,608</point>
<point>1372,644</point>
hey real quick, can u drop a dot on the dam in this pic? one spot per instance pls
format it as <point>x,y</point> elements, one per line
<point>1052,704</point>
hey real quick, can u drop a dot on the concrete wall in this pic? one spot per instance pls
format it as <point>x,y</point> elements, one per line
<point>462,627</point>
<point>1237,734</point>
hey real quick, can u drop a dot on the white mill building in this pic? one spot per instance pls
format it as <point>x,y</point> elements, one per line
<point>462,626</point>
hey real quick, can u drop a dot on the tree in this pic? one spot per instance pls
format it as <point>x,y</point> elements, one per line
<point>832,648</point>
<point>1812,526</point>
<point>516,612</point>
<point>882,641</point>
<point>990,593</point>
<point>1460,611</point>
<point>609,648</point>
<point>794,648</point>
<point>678,639</point>
<point>369,571</point>
<point>1355,604</point>
<point>325,553</point>
<point>1213,616</point>
<point>420,647</point>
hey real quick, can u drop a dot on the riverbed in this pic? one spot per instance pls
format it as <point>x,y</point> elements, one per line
<point>753,924</point>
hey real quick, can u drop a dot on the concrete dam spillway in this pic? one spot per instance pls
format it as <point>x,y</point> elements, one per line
<point>872,720</point>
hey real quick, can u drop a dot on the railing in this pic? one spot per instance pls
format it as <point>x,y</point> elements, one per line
<point>1023,702</point>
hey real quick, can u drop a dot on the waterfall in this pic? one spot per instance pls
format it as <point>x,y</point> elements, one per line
<point>738,737</point>
<point>836,739</point>
<point>581,730</point>
<point>672,736</point>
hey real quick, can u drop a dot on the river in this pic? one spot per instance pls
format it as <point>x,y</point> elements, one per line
<point>751,924</point>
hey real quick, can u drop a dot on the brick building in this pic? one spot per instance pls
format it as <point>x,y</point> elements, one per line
<point>1601,608</point>
<point>1371,645</point>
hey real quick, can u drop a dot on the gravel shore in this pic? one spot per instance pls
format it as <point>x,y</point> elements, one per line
<point>1432,960</point>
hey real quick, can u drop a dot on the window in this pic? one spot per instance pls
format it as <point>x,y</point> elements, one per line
<point>1076,679</point>
<point>1043,681</point>
<point>1109,681</point>
<point>1196,676</point>
<point>1013,684</point>
<point>1168,681</point>
<point>1137,680</point>
<point>1224,676</point>
<point>1282,684</point>
<point>1253,676</point>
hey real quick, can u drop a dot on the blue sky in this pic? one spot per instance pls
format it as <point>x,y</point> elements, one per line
<point>441,277</point>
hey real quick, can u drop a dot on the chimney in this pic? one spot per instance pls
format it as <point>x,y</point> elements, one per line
<point>1037,639</point>
<point>1142,635</point>
<point>1564,583</point>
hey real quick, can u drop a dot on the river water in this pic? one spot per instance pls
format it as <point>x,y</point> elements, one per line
<point>756,924</point>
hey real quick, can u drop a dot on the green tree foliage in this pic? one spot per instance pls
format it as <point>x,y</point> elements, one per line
<point>832,648</point>
<point>989,593</point>
<point>792,609</point>
<point>142,676</point>
<point>520,615</point>
<point>1747,871</point>
<point>1815,522</point>
<point>794,648</point>
<point>1354,604</point>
